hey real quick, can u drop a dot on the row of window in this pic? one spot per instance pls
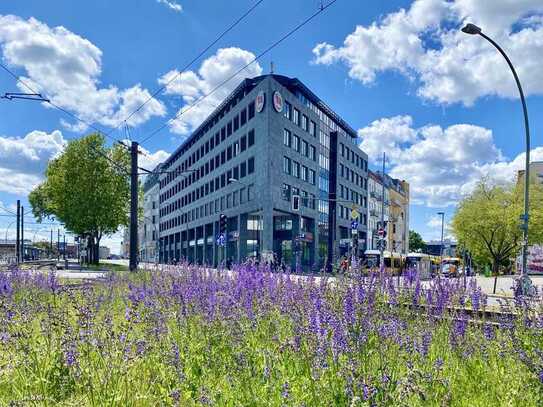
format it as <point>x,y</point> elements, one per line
<point>226,131</point>
<point>297,170</point>
<point>239,171</point>
<point>307,200</point>
<point>352,176</point>
<point>231,200</point>
<point>354,158</point>
<point>245,142</point>
<point>301,146</point>
<point>299,119</point>
<point>349,194</point>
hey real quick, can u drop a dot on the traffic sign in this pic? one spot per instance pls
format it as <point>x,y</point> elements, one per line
<point>221,239</point>
<point>354,224</point>
<point>354,213</point>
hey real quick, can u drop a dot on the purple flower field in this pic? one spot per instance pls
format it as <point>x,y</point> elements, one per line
<point>189,336</point>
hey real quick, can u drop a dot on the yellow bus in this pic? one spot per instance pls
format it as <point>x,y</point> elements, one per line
<point>451,266</point>
<point>393,261</point>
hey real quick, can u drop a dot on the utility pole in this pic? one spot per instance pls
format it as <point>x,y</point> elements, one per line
<point>58,244</point>
<point>64,247</point>
<point>51,245</point>
<point>17,244</point>
<point>381,246</point>
<point>133,265</point>
<point>22,234</point>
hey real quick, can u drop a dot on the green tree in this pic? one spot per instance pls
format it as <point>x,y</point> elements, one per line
<point>416,243</point>
<point>85,191</point>
<point>487,222</point>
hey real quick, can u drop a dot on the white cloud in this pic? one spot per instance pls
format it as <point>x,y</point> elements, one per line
<point>23,160</point>
<point>191,86</point>
<point>441,164</point>
<point>171,4</point>
<point>424,43</point>
<point>67,68</point>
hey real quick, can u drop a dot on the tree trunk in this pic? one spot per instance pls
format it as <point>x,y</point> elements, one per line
<point>495,271</point>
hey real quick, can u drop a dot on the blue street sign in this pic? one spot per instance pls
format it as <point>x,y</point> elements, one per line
<point>221,240</point>
<point>354,224</point>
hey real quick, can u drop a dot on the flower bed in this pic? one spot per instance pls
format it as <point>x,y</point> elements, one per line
<point>187,336</point>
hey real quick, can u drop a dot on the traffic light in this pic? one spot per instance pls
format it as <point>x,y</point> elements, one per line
<point>223,223</point>
<point>295,203</point>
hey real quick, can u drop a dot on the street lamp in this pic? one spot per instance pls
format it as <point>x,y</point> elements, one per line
<point>472,29</point>
<point>442,214</point>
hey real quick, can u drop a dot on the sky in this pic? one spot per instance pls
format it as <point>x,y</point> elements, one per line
<point>443,105</point>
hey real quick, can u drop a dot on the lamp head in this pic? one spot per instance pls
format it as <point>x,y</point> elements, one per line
<point>471,29</point>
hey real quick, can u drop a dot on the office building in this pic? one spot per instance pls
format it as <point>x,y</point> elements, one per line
<point>271,140</point>
<point>396,211</point>
<point>148,226</point>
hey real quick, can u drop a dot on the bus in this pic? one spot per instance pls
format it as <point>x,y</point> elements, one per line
<point>393,261</point>
<point>420,262</point>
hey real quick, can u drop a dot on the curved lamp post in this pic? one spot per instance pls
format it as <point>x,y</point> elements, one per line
<point>472,29</point>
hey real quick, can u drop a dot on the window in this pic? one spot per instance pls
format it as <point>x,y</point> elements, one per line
<point>236,123</point>
<point>296,169</point>
<point>243,117</point>
<point>229,128</point>
<point>229,153</point>
<point>288,110</point>
<point>223,134</point>
<point>243,143</point>
<point>251,110</point>
<point>304,173</point>
<point>313,128</point>
<point>286,137</point>
<point>242,196</point>
<point>235,198</point>
<point>242,169</point>
<point>286,165</point>
<point>296,116</point>
<point>296,143</point>
<point>311,177</point>
<point>250,192</point>
<point>236,172</point>
<point>251,137</point>
<point>285,192</point>
<point>228,201</point>
<point>251,165</point>
<point>305,121</point>
<point>304,148</point>
<point>312,153</point>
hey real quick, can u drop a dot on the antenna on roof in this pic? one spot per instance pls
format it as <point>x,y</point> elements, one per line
<point>271,67</point>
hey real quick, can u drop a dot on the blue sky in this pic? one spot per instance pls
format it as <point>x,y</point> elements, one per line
<point>442,104</point>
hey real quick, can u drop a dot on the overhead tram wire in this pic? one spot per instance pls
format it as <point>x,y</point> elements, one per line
<point>196,58</point>
<point>276,43</point>
<point>60,108</point>
<point>47,100</point>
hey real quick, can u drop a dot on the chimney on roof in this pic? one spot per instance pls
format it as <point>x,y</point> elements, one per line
<point>271,67</point>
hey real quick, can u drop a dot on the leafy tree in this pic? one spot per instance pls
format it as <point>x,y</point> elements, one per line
<point>85,191</point>
<point>487,222</point>
<point>416,244</point>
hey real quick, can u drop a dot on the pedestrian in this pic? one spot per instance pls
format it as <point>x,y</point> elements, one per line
<point>229,263</point>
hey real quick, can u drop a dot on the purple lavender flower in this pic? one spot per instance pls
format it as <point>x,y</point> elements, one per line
<point>285,391</point>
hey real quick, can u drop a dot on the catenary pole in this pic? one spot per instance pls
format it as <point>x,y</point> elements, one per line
<point>17,244</point>
<point>381,247</point>
<point>22,233</point>
<point>133,263</point>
